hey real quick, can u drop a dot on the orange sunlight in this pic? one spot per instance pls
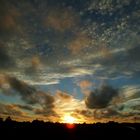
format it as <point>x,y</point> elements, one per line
<point>69,119</point>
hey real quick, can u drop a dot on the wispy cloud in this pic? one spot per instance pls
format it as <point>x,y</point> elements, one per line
<point>61,19</point>
<point>80,43</point>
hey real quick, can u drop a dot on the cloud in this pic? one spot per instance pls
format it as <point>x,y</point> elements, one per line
<point>30,94</point>
<point>98,115</point>
<point>80,43</point>
<point>24,107</point>
<point>35,61</point>
<point>130,92</point>
<point>84,84</point>
<point>64,104</point>
<point>131,106</point>
<point>63,95</point>
<point>35,66</point>
<point>67,106</point>
<point>106,113</point>
<point>5,60</point>
<point>9,19</point>
<point>84,112</point>
<point>8,22</point>
<point>45,100</point>
<point>126,106</point>
<point>3,82</point>
<point>96,49</point>
<point>47,43</point>
<point>10,110</point>
<point>100,98</point>
<point>15,111</point>
<point>132,53</point>
<point>107,6</point>
<point>61,19</point>
<point>49,105</point>
<point>46,112</point>
<point>26,92</point>
<point>111,113</point>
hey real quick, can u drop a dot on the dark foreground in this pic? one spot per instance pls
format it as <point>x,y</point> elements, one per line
<point>24,130</point>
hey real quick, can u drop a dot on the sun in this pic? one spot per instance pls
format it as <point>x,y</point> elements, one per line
<point>69,119</point>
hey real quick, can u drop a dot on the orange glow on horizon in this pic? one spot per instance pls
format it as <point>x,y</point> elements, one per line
<point>70,125</point>
<point>69,120</point>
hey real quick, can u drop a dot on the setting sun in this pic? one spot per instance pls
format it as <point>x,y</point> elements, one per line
<point>69,119</point>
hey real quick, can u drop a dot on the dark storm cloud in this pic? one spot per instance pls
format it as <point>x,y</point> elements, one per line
<point>100,98</point>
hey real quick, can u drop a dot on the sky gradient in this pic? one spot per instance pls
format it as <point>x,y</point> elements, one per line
<point>70,58</point>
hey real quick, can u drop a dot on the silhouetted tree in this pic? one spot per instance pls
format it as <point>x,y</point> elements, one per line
<point>1,119</point>
<point>8,119</point>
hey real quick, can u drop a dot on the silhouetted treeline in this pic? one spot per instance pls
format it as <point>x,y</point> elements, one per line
<point>59,130</point>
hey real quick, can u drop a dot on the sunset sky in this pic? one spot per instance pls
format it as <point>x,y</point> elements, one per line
<point>70,60</point>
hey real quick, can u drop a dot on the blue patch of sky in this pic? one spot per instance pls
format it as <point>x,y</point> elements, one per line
<point>10,99</point>
<point>124,81</point>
